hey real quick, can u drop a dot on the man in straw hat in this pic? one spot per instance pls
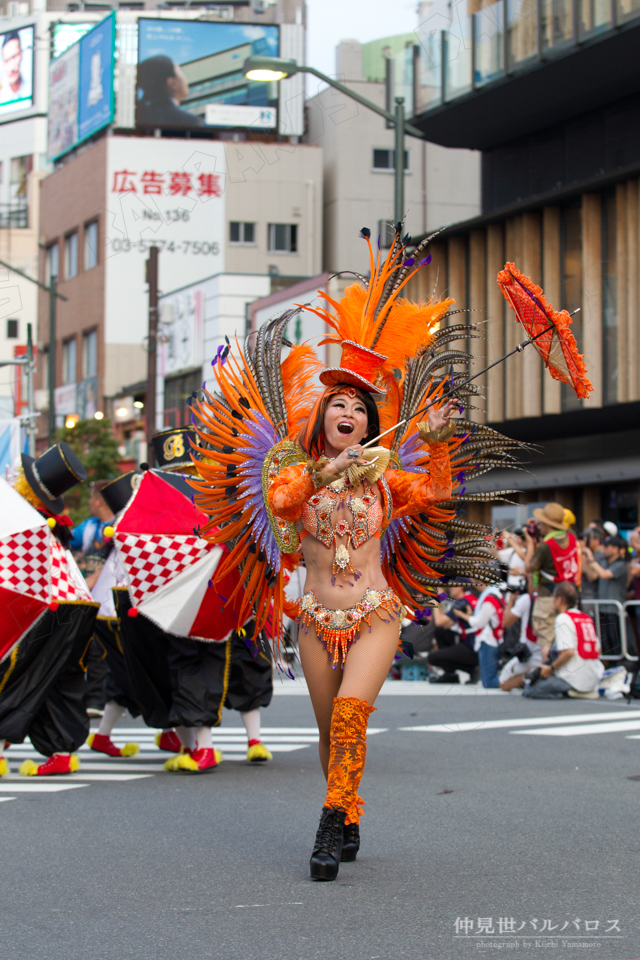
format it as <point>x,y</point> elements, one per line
<point>553,559</point>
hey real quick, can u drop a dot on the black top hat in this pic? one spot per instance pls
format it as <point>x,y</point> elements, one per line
<point>117,493</point>
<point>173,449</point>
<point>52,474</point>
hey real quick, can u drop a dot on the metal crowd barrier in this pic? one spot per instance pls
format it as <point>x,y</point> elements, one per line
<point>595,608</point>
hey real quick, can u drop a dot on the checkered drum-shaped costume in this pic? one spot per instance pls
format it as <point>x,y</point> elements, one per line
<point>151,560</point>
<point>34,563</point>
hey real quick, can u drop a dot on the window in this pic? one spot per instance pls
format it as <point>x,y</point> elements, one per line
<point>90,354</point>
<point>385,160</point>
<point>12,329</point>
<point>386,232</point>
<point>571,279</point>
<point>21,167</point>
<point>71,256</point>
<point>242,233</point>
<point>283,237</point>
<point>609,299</point>
<point>69,361</point>
<point>91,245</point>
<point>52,262</point>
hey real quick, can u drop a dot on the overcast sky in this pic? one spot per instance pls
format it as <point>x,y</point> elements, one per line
<point>330,21</point>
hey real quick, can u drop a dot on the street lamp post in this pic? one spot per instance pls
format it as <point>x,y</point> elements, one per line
<point>54,296</point>
<point>268,69</point>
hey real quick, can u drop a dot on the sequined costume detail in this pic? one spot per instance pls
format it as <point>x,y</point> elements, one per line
<point>348,754</point>
<point>316,515</point>
<point>338,629</point>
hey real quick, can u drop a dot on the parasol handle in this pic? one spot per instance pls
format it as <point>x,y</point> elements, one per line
<point>520,347</point>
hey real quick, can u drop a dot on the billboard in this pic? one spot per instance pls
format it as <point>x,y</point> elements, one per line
<point>81,97</point>
<point>168,193</point>
<point>64,34</point>
<point>190,74</point>
<point>16,70</point>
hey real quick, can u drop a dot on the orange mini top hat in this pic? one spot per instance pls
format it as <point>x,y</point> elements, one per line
<point>359,367</point>
<point>376,328</point>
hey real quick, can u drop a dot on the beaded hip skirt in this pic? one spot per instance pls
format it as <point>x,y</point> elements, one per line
<point>338,629</point>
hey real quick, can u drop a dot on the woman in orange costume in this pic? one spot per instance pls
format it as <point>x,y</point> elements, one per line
<point>343,589</point>
<point>286,479</point>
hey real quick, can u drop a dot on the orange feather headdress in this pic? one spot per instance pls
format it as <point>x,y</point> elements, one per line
<point>376,328</point>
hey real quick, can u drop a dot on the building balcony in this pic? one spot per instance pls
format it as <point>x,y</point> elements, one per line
<point>494,72</point>
<point>14,215</point>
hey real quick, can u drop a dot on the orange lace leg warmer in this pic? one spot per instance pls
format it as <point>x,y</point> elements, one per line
<point>348,755</point>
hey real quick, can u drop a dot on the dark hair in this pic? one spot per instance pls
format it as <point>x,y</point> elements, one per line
<point>311,437</point>
<point>618,542</point>
<point>8,37</point>
<point>153,74</point>
<point>567,592</point>
<point>594,532</point>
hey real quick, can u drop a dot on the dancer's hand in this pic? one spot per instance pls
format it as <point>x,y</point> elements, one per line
<point>343,461</point>
<point>440,418</point>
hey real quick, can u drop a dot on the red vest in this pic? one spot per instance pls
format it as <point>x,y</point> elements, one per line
<point>498,606</point>
<point>565,559</point>
<point>588,646</point>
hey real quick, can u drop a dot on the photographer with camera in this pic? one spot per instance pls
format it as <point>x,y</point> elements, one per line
<point>526,653</point>
<point>454,640</point>
<point>487,622</point>
<point>576,669</point>
<point>591,542</point>
<point>552,557</point>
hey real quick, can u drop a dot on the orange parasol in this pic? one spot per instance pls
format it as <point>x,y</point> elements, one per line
<point>548,330</point>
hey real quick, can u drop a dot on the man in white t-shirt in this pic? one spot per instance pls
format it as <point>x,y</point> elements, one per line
<point>512,556</point>
<point>577,669</point>
<point>513,673</point>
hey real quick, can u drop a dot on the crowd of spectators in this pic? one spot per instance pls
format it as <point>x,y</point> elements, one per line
<point>552,627</point>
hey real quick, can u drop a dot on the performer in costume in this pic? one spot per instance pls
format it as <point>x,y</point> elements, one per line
<point>42,679</point>
<point>376,529</point>
<point>177,682</point>
<point>207,676</point>
<point>119,692</point>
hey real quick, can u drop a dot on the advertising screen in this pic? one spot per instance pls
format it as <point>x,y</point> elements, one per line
<point>190,74</point>
<point>63,101</point>
<point>81,99</point>
<point>64,34</point>
<point>95,106</point>
<point>16,70</point>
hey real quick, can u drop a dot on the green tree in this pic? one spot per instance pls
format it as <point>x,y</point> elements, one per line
<point>94,443</point>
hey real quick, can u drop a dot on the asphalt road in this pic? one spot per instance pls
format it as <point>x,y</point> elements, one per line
<point>532,833</point>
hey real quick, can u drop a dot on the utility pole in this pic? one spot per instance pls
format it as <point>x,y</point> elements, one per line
<point>152,355</point>
<point>31,395</point>
<point>51,359</point>
<point>398,200</point>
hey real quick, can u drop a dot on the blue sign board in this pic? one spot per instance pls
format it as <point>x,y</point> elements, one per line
<point>95,103</point>
<point>81,95</point>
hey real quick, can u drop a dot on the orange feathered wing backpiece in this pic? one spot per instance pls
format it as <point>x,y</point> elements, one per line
<point>557,347</point>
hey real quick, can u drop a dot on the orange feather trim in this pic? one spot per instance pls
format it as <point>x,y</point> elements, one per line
<point>299,373</point>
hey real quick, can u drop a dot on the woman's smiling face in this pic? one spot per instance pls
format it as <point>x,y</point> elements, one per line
<point>345,422</point>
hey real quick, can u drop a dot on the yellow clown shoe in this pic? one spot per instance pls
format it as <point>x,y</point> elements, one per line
<point>257,752</point>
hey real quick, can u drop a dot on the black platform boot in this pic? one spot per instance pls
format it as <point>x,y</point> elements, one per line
<point>350,842</point>
<point>325,859</point>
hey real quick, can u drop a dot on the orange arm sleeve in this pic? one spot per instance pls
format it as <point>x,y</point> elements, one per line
<point>413,493</point>
<point>289,491</point>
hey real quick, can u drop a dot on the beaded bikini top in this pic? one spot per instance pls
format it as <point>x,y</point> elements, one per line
<point>366,511</point>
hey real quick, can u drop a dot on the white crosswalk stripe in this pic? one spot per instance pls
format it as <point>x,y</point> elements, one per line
<point>570,725</point>
<point>97,768</point>
<point>521,722</point>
